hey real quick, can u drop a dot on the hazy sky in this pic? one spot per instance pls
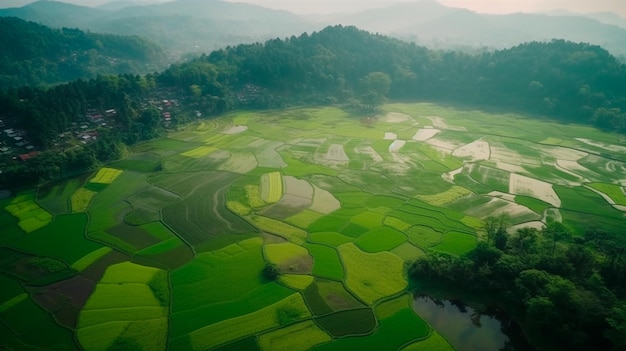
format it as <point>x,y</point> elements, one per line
<point>484,6</point>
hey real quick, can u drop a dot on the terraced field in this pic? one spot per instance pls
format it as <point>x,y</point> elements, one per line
<point>169,248</point>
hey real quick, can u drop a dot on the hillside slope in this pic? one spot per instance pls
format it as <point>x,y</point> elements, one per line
<point>45,56</point>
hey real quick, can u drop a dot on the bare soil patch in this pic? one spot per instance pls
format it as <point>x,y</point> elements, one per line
<point>235,130</point>
<point>522,185</point>
<point>478,150</point>
<point>396,117</point>
<point>425,134</point>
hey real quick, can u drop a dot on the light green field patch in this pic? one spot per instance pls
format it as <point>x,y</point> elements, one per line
<point>238,208</point>
<point>372,276</point>
<point>296,281</point>
<point>424,237</point>
<point>97,338</point>
<point>472,222</point>
<point>91,317</point>
<point>287,311</point>
<point>106,175</point>
<point>435,342</point>
<point>241,163</point>
<point>199,152</point>
<point>298,337</point>
<point>614,191</point>
<point>448,196</point>
<point>163,246</point>
<point>380,239</point>
<point>217,139</point>
<point>304,218</point>
<point>125,306</point>
<point>81,199</point>
<point>13,301</point>
<point>408,252</point>
<point>456,243</point>
<point>284,253</point>
<point>333,239</point>
<point>128,272</point>
<point>368,220</point>
<point>90,258</point>
<point>388,308</point>
<point>323,201</point>
<point>31,215</point>
<point>271,187</point>
<point>121,295</point>
<point>289,232</point>
<point>253,195</point>
<point>396,223</point>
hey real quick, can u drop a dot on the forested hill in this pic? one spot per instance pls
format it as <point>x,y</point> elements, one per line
<point>573,82</point>
<point>32,54</point>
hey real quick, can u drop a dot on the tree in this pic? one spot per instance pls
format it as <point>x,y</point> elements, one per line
<point>271,271</point>
<point>375,87</point>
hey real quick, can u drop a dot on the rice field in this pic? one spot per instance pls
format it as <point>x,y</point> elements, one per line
<point>31,216</point>
<point>106,175</point>
<point>340,206</point>
<point>271,187</point>
<point>372,276</point>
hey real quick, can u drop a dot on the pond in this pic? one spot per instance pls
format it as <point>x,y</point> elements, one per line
<point>469,330</point>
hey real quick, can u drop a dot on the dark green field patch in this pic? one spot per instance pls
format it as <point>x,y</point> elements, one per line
<point>33,270</point>
<point>353,230</point>
<point>56,197</point>
<point>535,205</point>
<point>333,239</point>
<point>456,243</point>
<point>315,301</point>
<point>328,223</point>
<point>133,235</point>
<point>336,296</point>
<point>64,239</point>
<point>581,199</point>
<point>351,322</point>
<point>203,215</point>
<point>380,239</point>
<point>25,326</point>
<point>392,333</point>
<point>145,163</point>
<point>326,262</point>
<point>248,344</point>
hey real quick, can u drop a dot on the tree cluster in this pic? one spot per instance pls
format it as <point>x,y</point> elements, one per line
<point>571,291</point>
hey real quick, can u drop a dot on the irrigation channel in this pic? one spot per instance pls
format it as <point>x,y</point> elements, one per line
<point>469,330</point>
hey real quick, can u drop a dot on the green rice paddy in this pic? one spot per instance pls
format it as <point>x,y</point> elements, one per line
<point>170,244</point>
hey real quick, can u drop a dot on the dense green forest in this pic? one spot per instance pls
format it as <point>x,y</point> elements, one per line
<point>575,83</point>
<point>572,286</point>
<point>45,56</point>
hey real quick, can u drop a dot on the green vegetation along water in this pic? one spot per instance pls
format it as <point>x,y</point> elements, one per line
<point>175,255</point>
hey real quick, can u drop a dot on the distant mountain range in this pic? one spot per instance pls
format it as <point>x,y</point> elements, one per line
<point>184,26</point>
<point>180,26</point>
<point>432,24</point>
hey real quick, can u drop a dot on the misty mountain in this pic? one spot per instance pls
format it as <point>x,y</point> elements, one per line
<point>430,23</point>
<point>45,56</point>
<point>180,26</point>
<point>604,17</point>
